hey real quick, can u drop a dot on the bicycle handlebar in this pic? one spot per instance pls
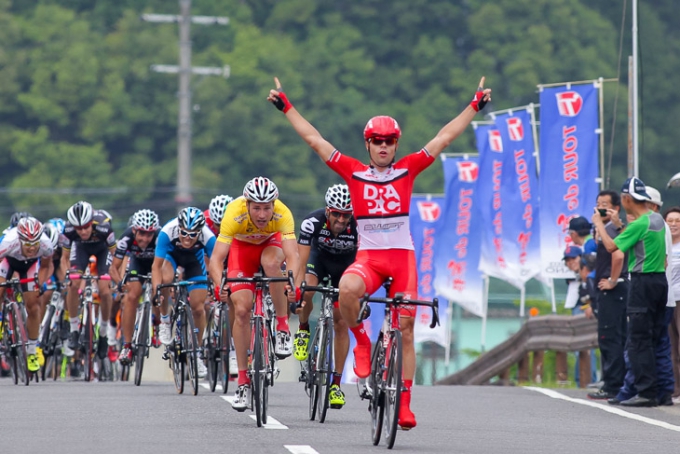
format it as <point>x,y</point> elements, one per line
<point>259,278</point>
<point>91,277</point>
<point>130,274</point>
<point>397,301</point>
<point>293,307</point>
<point>17,281</point>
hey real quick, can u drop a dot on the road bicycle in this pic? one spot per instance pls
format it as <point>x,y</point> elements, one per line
<point>184,349</point>
<point>89,336</point>
<point>317,372</point>
<point>262,368</point>
<point>384,385</point>
<point>141,336</point>
<point>53,333</point>
<point>218,345</point>
<point>13,329</point>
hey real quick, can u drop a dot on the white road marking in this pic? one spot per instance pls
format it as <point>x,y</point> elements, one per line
<point>609,409</point>
<point>301,449</point>
<point>271,423</point>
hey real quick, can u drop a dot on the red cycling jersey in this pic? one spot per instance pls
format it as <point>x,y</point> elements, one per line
<point>381,200</point>
<point>209,222</point>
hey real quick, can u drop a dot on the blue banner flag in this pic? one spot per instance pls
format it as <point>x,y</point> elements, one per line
<point>459,239</point>
<point>519,186</point>
<point>495,252</point>
<point>569,167</point>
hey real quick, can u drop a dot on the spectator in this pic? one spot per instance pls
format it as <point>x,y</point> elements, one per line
<point>580,233</point>
<point>612,296</point>
<point>572,258</point>
<point>672,218</point>
<point>645,238</point>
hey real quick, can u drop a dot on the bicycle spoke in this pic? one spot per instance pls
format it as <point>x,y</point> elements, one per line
<point>393,384</point>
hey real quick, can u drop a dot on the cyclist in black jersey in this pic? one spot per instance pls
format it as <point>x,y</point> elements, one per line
<point>139,243</point>
<point>88,232</point>
<point>327,246</point>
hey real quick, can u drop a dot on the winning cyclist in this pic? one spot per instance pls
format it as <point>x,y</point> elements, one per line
<point>26,250</point>
<point>327,245</point>
<point>257,230</point>
<point>139,241</point>
<point>184,241</point>
<point>381,193</point>
<point>88,232</point>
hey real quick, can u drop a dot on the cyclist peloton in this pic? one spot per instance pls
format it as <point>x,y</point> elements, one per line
<point>257,230</point>
<point>88,232</point>
<point>381,193</point>
<point>26,250</point>
<point>184,241</point>
<point>327,245</point>
<point>139,243</point>
<point>14,219</point>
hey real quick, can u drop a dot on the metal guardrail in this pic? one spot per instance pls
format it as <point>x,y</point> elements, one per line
<point>561,333</point>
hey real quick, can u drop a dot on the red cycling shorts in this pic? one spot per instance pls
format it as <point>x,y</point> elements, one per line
<point>375,266</point>
<point>244,260</point>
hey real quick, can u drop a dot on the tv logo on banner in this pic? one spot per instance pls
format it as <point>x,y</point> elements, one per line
<point>569,103</point>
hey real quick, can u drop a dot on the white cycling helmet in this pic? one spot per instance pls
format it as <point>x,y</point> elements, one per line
<point>29,229</point>
<point>261,190</point>
<point>145,220</point>
<point>80,214</point>
<point>337,198</point>
<point>217,206</point>
<point>53,234</point>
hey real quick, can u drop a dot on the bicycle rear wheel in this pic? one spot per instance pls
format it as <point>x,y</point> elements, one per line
<point>46,331</point>
<point>21,342</point>
<point>8,349</point>
<point>211,346</point>
<point>258,371</point>
<point>192,349</point>
<point>224,347</point>
<point>325,372</point>
<point>393,385</point>
<point>142,342</point>
<point>311,378</point>
<point>177,354</point>
<point>377,402</point>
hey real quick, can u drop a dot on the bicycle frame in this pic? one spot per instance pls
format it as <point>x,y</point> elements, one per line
<point>385,380</point>
<point>320,361</point>
<point>262,369</point>
<point>88,317</point>
<point>181,352</point>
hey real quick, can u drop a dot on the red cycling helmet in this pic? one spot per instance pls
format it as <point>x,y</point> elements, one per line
<point>382,126</point>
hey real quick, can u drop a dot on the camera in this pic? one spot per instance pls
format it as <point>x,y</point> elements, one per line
<point>602,211</point>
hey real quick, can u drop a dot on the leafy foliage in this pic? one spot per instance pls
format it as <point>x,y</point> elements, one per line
<point>83,116</point>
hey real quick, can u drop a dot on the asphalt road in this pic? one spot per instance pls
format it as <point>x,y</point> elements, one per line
<point>118,417</point>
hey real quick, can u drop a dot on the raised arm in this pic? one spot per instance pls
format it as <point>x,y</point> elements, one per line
<point>304,128</point>
<point>455,127</point>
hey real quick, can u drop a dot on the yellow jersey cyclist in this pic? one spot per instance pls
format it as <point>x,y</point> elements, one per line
<point>327,246</point>
<point>26,250</point>
<point>257,230</point>
<point>185,241</point>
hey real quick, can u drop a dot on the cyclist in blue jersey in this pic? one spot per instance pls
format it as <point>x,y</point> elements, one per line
<point>184,241</point>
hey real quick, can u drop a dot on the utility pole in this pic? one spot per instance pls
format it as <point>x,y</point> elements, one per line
<point>184,19</point>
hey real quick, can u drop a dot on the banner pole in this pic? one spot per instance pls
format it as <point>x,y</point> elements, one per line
<point>534,131</point>
<point>449,324</point>
<point>522,300</point>
<point>578,82</point>
<point>600,90</point>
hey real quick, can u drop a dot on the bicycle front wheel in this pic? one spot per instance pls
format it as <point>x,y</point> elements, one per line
<point>88,342</point>
<point>225,347</point>
<point>258,372</point>
<point>311,377</point>
<point>377,403</point>
<point>393,385</point>
<point>211,356</point>
<point>142,339</point>
<point>192,348</point>
<point>325,370</point>
<point>21,342</point>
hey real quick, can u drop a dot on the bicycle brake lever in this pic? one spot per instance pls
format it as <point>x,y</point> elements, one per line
<point>435,313</point>
<point>364,309</point>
